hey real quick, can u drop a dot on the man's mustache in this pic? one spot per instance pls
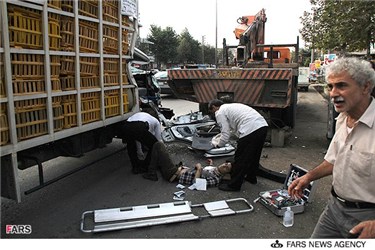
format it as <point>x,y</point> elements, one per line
<point>337,99</point>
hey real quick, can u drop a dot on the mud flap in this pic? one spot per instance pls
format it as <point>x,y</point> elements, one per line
<point>271,175</point>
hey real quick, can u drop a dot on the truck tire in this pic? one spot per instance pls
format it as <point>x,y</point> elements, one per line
<point>270,174</point>
<point>289,116</point>
<point>290,113</point>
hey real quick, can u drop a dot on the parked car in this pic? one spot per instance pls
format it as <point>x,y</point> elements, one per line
<point>162,78</point>
<point>313,76</point>
<point>303,78</point>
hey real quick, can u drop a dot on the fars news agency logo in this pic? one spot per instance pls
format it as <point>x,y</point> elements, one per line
<point>18,229</point>
<point>277,244</point>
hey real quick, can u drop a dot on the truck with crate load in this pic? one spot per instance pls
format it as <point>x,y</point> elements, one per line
<point>262,76</point>
<point>65,80</point>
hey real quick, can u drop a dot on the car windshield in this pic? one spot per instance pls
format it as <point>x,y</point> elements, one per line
<point>161,74</point>
<point>136,71</point>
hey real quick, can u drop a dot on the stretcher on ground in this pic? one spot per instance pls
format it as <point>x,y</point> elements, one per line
<point>112,219</point>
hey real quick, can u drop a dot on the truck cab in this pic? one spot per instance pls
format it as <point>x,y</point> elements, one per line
<point>278,54</point>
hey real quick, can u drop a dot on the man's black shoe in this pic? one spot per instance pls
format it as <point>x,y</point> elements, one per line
<point>142,170</point>
<point>139,170</point>
<point>226,187</point>
<point>135,170</point>
<point>150,176</point>
<point>252,180</point>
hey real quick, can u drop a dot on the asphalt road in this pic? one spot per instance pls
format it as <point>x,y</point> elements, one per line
<point>55,211</point>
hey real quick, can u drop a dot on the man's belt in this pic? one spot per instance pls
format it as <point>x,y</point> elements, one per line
<point>352,204</point>
<point>138,122</point>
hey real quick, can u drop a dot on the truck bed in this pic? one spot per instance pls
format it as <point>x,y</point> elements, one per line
<point>257,87</point>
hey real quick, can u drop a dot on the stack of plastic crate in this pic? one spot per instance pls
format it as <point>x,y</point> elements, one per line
<point>90,107</point>
<point>111,72</point>
<point>112,103</point>
<point>88,8</point>
<point>56,4</point>
<point>28,70</point>
<point>89,72</point>
<point>58,114</point>
<point>110,39</point>
<point>69,104</point>
<point>31,118</point>
<point>25,31</point>
<point>4,128</point>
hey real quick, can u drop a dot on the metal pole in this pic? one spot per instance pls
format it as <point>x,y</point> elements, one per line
<point>216,38</point>
<point>203,49</point>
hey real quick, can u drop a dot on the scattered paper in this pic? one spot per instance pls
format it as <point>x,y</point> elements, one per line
<point>178,198</point>
<point>200,184</point>
<point>179,193</point>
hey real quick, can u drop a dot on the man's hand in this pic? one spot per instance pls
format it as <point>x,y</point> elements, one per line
<point>198,173</point>
<point>365,229</point>
<point>198,166</point>
<point>298,185</point>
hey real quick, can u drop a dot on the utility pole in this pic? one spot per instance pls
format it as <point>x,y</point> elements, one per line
<point>203,37</point>
<point>216,38</point>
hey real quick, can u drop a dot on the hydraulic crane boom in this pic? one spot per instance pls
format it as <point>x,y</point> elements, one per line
<point>250,32</point>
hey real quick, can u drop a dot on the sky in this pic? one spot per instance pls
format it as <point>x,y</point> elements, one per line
<point>199,17</point>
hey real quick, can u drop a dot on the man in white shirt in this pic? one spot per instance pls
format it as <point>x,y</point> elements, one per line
<point>350,158</point>
<point>140,130</point>
<point>251,129</point>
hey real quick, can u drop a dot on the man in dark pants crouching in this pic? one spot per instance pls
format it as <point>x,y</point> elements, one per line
<point>141,130</point>
<point>251,129</point>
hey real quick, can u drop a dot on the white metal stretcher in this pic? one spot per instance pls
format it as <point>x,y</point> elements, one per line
<point>149,215</point>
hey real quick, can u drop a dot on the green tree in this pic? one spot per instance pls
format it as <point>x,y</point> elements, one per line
<point>342,26</point>
<point>165,43</point>
<point>189,49</point>
<point>209,54</point>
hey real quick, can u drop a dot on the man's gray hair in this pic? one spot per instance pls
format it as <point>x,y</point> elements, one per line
<point>359,70</point>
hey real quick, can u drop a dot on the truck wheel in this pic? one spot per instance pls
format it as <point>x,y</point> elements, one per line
<point>290,116</point>
<point>290,113</point>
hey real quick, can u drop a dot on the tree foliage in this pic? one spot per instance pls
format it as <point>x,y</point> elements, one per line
<point>342,26</point>
<point>165,42</point>
<point>209,54</point>
<point>189,50</point>
<point>170,48</point>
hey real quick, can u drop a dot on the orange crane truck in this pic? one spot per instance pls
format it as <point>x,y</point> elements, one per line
<point>262,76</point>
